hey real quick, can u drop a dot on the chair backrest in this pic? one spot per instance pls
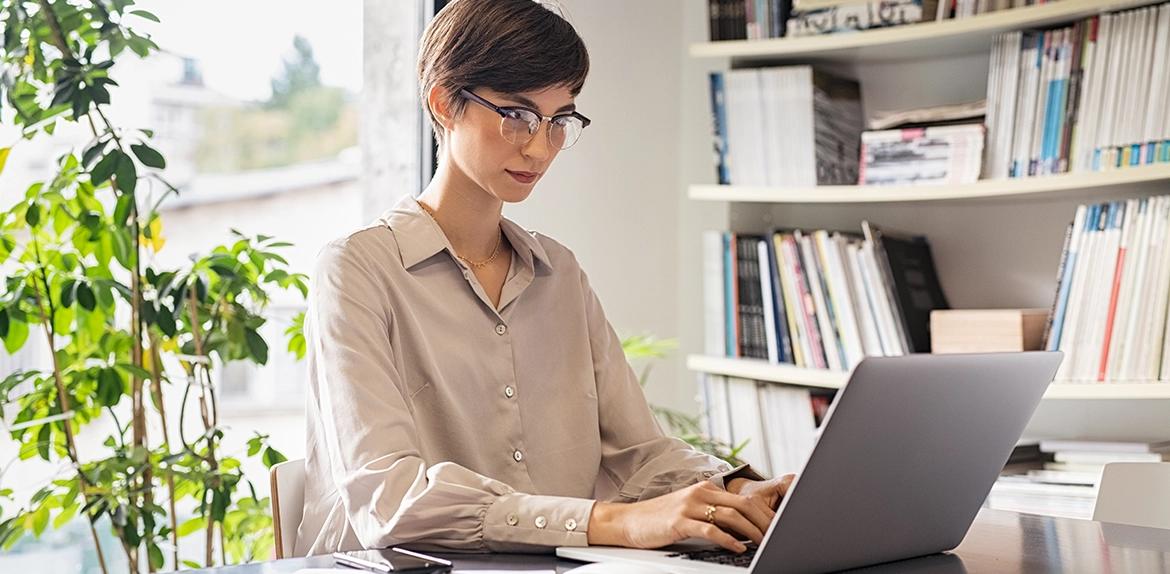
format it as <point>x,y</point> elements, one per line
<point>288,504</point>
<point>1135,493</point>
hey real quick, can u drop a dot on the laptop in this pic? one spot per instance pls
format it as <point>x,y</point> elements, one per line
<point>905,458</point>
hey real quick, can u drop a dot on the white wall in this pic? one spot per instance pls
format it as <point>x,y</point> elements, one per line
<point>615,198</point>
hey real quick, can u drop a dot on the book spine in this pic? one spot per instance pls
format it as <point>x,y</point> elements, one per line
<point>752,332</point>
<point>730,289</point>
<point>808,308</point>
<point>1113,295</point>
<point>780,303</point>
<point>714,17</point>
<point>767,298</point>
<point>1061,286</point>
<point>719,127</point>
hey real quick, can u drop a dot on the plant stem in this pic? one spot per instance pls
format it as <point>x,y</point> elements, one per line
<point>55,26</point>
<point>63,399</point>
<point>156,390</point>
<point>193,311</point>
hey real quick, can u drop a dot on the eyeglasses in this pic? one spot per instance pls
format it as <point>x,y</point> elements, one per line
<point>519,125</point>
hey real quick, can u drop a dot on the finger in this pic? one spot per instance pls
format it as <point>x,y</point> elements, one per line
<point>730,519</point>
<point>751,509</point>
<point>785,484</point>
<point>712,533</point>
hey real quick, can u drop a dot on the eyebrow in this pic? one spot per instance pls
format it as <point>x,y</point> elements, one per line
<point>531,104</point>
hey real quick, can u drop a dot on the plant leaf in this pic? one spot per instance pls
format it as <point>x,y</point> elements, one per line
<point>109,390</point>
<point>126,175</point>
<point>68,292</point>
<point>3,323</point>
<point>104,168</point>
<point>257,347</point>
<point>149,156</point>
<point>17,335</point>
<point>156,555</point>
<point>4,157</point>
<point>273,456</point>
<point>40,519</point>
<point>85,296</point>
<point>33,215</point>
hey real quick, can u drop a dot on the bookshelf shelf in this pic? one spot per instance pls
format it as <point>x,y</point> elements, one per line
<point>1122,180</point>
<point>764,371</point>
<point>964,36</point>
<point>1095,391</point>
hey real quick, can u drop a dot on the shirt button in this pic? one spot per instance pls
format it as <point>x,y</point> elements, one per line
<point>508,392</point>
<point>513,519</point>
<point>541,522</point>
<point>570,524</point>
<point>518,456</point>
<point>501,329</point>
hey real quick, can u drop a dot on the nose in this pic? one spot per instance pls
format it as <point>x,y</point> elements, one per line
<point>540,146</point>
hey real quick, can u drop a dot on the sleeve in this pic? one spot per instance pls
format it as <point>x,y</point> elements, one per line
<point>388,493</point>
<point>640,460</point>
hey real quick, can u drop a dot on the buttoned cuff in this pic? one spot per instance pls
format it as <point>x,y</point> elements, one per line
<point>744,471</point>
<point>531,523</point>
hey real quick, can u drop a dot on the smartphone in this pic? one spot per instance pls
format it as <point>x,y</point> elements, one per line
<point>392,560</point>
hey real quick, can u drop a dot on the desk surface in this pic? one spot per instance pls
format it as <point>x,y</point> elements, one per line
<point>998,542</point>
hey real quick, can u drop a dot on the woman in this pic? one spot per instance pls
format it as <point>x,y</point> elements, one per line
<point>467,391</point>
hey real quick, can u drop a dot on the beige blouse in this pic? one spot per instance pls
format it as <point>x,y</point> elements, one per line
<point>436,419</point>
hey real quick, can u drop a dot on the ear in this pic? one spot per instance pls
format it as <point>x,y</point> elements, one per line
<point>437,100</point>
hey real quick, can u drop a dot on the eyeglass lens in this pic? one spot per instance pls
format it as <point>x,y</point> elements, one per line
<point>519,126</point>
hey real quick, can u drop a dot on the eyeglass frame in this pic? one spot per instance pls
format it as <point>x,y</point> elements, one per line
<point>503,111</point>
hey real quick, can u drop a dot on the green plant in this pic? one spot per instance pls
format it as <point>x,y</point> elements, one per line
<point>689,428</point>
<point>77,254</point>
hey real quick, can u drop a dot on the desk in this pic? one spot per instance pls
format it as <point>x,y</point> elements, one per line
<point>999,542</point>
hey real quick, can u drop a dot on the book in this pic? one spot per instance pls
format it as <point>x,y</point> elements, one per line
<point>855,16</point>
<point>787,126</point>
<point>929,116</point>
<point>1089,96</point>
<point>909,270</point>
<point>719,127</point>
<point>922,156</point>
<point>1113,293</point>
<point>752,332</point>
<point>1077,457</point>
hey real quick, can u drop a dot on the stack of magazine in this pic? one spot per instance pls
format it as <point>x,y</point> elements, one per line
<point>1088,97</point>
<point>1062,479</point>
<point>1109,315</point>
<point>924,146</point>
<point>785,126</point>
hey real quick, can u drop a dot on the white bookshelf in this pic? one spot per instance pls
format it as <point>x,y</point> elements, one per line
<point>928,39</point>
<point>1117,181</point>
<point>763,371</point>
<point>996,243</point>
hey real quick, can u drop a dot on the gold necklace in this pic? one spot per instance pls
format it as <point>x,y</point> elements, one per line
<point>473,264</point>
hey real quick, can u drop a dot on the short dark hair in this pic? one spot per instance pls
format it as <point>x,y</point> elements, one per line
<point>509,46</point>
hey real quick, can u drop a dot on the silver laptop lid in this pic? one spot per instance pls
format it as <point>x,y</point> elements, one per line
<point>908,452</point>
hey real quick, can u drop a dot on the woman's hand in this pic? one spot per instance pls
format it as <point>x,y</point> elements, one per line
<point>767,492</point>
<point>701,510</point>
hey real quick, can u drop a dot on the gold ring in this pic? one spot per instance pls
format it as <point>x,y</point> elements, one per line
<point>711,513</point>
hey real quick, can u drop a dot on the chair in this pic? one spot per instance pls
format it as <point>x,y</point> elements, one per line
<point>1135,493</point>
<point>288,504</point>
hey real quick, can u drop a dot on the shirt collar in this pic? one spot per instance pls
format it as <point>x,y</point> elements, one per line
<point>419,237</point>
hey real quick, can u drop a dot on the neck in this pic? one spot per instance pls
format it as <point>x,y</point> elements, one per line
<point>468,215</point>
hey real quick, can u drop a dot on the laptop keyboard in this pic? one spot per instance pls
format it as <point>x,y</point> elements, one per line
<point>720,556</point>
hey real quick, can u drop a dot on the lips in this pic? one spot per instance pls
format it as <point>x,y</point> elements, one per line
<point>523,176</point>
